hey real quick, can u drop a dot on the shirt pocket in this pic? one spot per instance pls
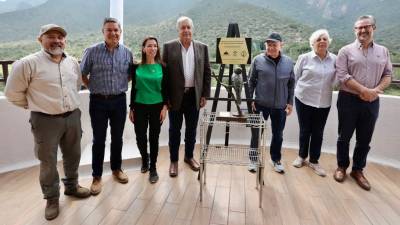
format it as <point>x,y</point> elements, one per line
<point>102,65</point>
<point>123,67</point>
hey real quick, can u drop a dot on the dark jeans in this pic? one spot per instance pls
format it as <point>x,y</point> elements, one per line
<point>278,121</point>
<point>312,122</point>
<point>189,111</point>
<point>355,114</point>
<point>148,115</point>
<point>104,111</point>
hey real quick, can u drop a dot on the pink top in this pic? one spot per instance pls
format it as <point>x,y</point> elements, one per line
<point>367,67</point>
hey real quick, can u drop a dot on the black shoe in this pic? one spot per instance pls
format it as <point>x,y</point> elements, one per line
<point>153,177</point>
<point>144,168</point>
<point>145,165</point>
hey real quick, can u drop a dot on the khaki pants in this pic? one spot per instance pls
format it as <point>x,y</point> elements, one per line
<point>49,132</point>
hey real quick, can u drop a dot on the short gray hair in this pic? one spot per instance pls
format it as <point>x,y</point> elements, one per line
<point>183,19</point>
<point>371,18</point>
<point>317,34</point>
<point>111,20</point>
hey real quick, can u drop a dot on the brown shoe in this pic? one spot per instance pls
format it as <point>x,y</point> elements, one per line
<point>95,188</point>
<point>52,209</point>
<point>193,164</point>
<point>173,169</point>
<point>360,179</point>
<point>78,191</point>
<point>120,176</point>
<point>340,174</point>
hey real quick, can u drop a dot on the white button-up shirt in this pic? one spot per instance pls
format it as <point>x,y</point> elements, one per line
<point>188,64</point>
<point>39,84</point>
<point>315,79</point>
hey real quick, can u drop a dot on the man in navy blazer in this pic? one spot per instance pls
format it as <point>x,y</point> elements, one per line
<point>188,69</point>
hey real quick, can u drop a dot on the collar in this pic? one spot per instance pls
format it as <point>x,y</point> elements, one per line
<point>191,44</point>
<point>269,57</point>
<point>314,55</point>
<point>359,46</point>
<point>104,44</point>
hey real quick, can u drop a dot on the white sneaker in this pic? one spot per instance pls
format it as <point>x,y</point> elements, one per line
<point>252,167</point>
<point>278,167</point>
<point>317,169</point>
<point>299,162</point>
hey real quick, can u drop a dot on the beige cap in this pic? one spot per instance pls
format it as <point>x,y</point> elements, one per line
<point>49,27</point>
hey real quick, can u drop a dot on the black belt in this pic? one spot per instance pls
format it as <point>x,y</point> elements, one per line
<point>348,93</point>
<point>63,115</point>
<point>188,89</point>
<point>100,96</point>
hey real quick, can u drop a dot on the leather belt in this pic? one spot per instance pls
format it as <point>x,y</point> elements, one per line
<point>348,93</point>
<point>188,89</point>
<point>63,115</point>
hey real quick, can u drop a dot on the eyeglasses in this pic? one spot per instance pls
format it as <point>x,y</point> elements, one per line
<point>366,27</point>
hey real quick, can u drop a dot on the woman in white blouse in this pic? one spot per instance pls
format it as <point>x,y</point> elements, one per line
<point>315,78</point>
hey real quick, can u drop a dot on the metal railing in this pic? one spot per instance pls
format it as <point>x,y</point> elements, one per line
<point>6,63</point>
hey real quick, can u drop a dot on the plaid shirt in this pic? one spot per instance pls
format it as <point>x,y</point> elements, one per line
<point>109,71</point>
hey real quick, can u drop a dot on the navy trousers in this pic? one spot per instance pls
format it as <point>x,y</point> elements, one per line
<point>278,121</point>
<point>359,116</point>
<point>104,111</point>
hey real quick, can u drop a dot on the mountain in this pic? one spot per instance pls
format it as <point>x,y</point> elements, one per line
<point>79,16</point>
<point>295,19</point>
<point>15,5</point>
<point>338,16</point>
<point>211,19</point>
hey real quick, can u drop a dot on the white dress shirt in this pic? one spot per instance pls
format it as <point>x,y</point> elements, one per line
<point>39,84</point>
<point>315,79</point>
<point>188,64</point>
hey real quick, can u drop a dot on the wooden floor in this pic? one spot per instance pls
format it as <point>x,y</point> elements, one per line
<point>297,197</point>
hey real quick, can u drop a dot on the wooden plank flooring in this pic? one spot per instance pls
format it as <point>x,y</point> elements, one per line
<point>297,197</point>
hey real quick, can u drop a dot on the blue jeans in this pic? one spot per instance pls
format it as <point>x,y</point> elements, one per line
<point>278,121</point>
<point>312,122</point>
<point>102,112</point>
<point>189,111</point>
<point>355,114</point>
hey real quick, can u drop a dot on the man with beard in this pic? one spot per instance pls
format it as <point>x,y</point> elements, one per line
<point>364,71</point>
<point>189,74</point>
<point>47,83</point>
<point>106,71</point>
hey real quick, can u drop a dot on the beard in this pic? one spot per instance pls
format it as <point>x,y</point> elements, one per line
<point>364,37</point>
<point>55,51</point>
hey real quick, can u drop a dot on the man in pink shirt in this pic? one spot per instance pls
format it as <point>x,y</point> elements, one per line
<point>364,71</point>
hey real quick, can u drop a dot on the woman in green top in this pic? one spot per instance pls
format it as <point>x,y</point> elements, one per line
<point>148,103</point>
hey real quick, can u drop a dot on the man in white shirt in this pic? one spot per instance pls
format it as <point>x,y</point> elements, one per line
<point>189,75</point>
<point>47,83</point>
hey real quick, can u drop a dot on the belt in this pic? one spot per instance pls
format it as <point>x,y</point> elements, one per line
<point>100,96</point>
<point>188,89</point>
<point>348,93</point>
<point>63,115</point>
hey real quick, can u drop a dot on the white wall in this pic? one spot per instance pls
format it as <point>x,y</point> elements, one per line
<point>16,141</point>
